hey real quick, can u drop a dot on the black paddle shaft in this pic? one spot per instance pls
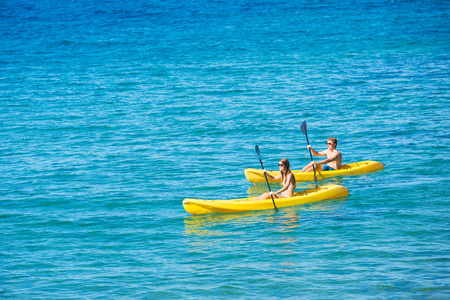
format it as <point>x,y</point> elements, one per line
<point>305,131</point>
<point>310,154</point>
<point>265,175</point>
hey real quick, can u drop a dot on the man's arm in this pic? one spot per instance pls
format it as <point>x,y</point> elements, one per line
<point>315,153</point>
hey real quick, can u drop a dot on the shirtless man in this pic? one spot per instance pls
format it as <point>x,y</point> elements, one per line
<point>333,161</point>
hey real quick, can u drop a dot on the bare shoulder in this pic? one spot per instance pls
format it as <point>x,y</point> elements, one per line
<point>327,152</point>
<point>291,177</point>
<point>338,156</point>
<point>333,153</point>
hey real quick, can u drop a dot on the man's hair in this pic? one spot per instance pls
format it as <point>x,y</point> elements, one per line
<point>333,140</point>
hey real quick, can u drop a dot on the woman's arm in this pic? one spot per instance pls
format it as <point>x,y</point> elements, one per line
<point>273,178</point>
<point>284,188</point>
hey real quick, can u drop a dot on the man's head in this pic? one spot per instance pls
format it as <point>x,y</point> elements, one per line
<point>332,141</point>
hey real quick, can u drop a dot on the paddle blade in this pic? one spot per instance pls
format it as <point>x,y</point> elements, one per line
<point>304,127</point>
<point>315,177</point>
<point>274,205</point>
<point>257,150</point>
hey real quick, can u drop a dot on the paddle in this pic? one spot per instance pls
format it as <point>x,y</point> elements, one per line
<point>304,130</point>
<point>265,175</point>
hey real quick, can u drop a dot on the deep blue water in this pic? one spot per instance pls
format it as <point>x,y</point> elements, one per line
<point>113,112</point>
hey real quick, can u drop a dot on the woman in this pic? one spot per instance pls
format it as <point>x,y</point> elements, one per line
<point>287,181</point>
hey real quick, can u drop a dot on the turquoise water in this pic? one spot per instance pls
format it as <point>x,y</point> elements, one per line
<point>112,113</point>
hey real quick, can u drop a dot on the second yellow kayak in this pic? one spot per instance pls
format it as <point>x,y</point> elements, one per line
<point>257,176</point>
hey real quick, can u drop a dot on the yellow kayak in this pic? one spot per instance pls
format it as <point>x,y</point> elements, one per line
<point>199,207</point>
<point>257,176</point>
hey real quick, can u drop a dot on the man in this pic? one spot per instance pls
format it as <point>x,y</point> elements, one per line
<point>333,161</point>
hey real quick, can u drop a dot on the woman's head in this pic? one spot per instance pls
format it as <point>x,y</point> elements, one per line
<point>284,166</point>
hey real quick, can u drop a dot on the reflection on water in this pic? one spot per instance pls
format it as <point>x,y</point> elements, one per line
<point>220,233</point>
<point>287,219</point>
<point>205,224</point>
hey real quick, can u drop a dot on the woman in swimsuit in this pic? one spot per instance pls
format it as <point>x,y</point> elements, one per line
<point>287,181</point>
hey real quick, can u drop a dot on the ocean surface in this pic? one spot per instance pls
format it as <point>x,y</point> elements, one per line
<point>113,112</point>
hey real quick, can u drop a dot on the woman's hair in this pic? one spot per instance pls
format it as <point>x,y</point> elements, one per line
<point>286,170</point>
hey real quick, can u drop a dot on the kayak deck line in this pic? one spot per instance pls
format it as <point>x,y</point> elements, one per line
<point>257,176</point>
<point>296,194</point>
<point>199,206</point>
